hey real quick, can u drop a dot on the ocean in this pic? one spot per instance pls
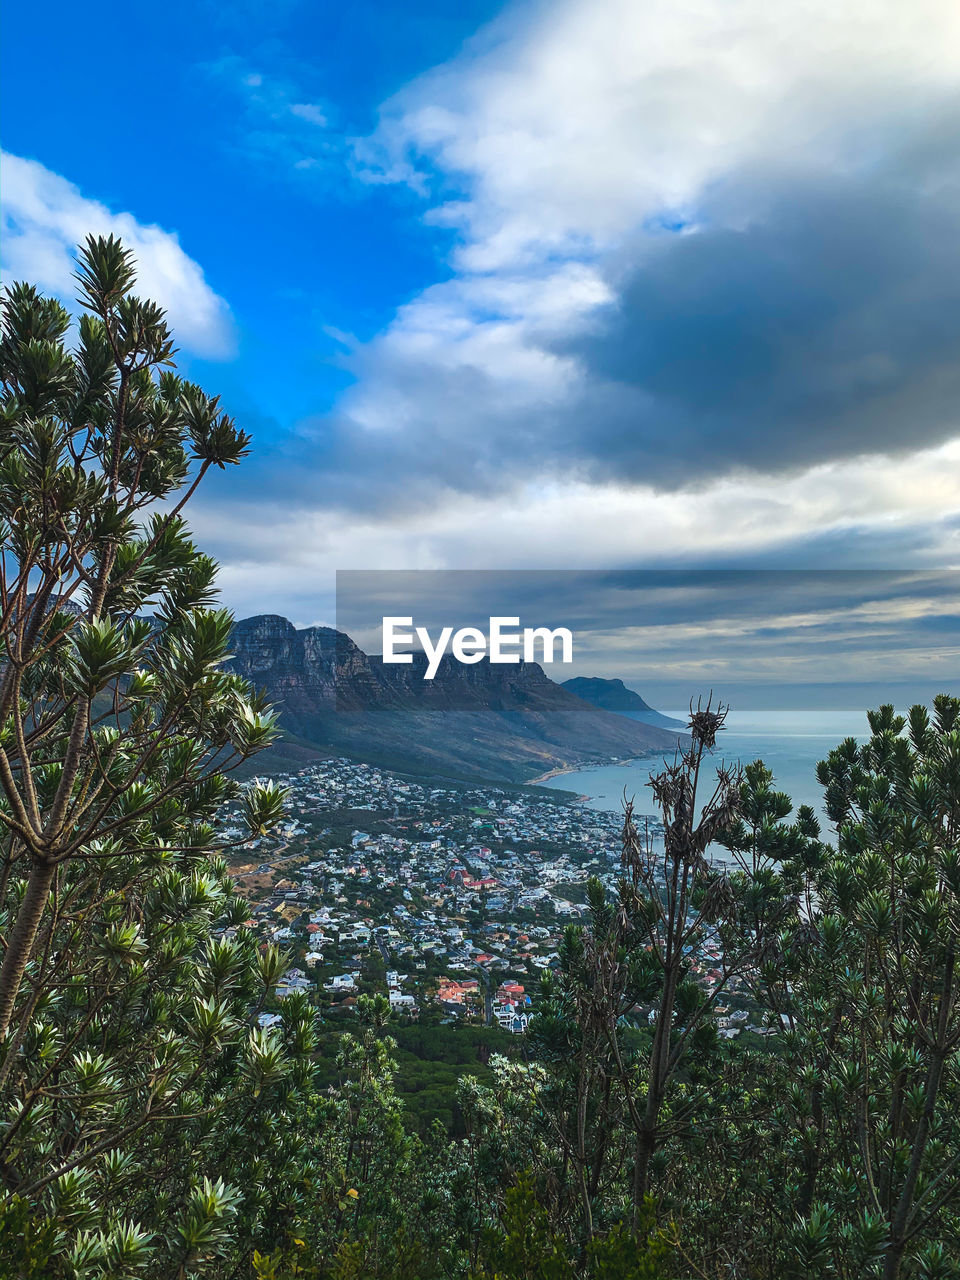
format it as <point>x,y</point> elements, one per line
<point>789,742</point>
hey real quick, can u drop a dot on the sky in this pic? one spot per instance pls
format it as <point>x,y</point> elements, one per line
<point>842,639</point>
<point>586,284</point>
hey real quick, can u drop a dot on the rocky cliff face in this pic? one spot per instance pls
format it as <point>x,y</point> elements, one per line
<point>324,668</point>
<point>309,670</point>
<point>497,722</point>
<point>269,647</point>
<point>613,695</point>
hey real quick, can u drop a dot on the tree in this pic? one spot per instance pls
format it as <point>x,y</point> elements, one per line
<point>128,1039</point>
<point>613,1074</point>
<point>666,905</point>
<point>841,1146</point>
<point>638,951</point>
<point>876,997</point>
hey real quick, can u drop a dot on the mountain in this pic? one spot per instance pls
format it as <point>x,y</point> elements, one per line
<point>477,722</point>
<point>613,695</point>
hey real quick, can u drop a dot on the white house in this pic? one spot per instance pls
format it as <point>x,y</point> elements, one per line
<point>508,1018</point>
<point>342,982</point>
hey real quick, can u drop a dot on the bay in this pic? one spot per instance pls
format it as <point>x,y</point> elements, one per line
<point>789,742</point>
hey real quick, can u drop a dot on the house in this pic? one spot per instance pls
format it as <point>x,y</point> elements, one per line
<point>342,982</point>
<point>453,992</point>
<point>292,981</point>
<point>360,935</point>
<point>510,1019</point>
<point>510,992</point>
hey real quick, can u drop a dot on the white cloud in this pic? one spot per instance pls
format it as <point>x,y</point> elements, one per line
<point>567,145</point>
<point>497,328</point>
<point>275,125</point>
<point>310,112</point>
<point>570,142</point>
<point>584,117</point>
<point>281,559</point>
<point>45,217</point>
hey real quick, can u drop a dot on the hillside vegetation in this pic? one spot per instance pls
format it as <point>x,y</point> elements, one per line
<point>151,1127</point>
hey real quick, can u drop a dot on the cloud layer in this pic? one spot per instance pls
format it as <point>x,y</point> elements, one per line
<point>280,556</point>
<point>699,626</point>
<point>703,284</point>
<point>45,217</point>
<point>694,238</point>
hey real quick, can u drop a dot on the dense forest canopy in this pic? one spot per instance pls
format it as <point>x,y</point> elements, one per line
<point>150,1127</point>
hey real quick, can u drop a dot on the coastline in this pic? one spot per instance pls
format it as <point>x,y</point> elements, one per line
<point>552,773</point>
<point>579,768</point>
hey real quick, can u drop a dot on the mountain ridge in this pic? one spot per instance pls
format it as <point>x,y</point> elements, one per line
<point>474,722</point>
<point>613,695</point>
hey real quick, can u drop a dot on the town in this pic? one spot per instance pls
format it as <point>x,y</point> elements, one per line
<point>451,899</point>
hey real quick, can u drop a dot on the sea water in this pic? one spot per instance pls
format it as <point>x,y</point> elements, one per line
<point>790,743</point>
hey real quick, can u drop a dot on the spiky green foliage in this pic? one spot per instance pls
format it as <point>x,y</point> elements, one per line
<point>876,990</point>
<point>134,1081</point>
<point>150,1127</point>
<point>834,1149</point>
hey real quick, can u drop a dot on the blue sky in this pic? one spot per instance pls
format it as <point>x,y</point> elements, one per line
<point>569,285</point>
<point>182,135</point>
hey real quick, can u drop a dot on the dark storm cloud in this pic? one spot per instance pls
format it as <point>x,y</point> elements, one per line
<point>828,326</point>
<point>804,317</point>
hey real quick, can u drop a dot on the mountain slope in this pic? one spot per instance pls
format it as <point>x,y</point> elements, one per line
<point>613,695</point>
<point>494,722</point>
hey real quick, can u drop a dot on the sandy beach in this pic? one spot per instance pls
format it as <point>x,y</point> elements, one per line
<point>553,773</point>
